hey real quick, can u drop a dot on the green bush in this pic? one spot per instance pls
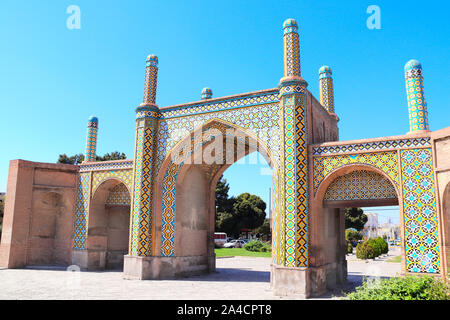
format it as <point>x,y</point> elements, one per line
<point>383,245</point>
<point>407,288</point>
<point>353,235</point>
<point>349,247</point>
<point>376,245</point>
<point>364,250</point>
<point>258,246</point>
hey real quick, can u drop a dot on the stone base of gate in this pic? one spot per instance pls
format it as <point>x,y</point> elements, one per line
<point>89,259</point>
<point>289,281</point>
<point>147,268</point>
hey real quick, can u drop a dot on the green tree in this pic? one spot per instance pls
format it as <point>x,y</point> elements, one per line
<point>249,212</point>
<point>246,211</point>
<point>264,229</point>
<point>355,218</point>
<point>78,158</point>
<point>352,235</point>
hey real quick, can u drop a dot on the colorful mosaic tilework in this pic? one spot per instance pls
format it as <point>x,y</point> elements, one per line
<point>385,161</point>
<point>293,181</point>
<point>125,176</point>
<point>291,48</point>
<point>100,166</point>
<point>419,211</point>
<point>372,146</point>
<point>418,115</point>
<point>91,140</point>
<point>81,210</point>
<point>136,204</point>
<point>223,105</point>
<point>326,88</point>
<point>168,210</point>
<point>301,183</point>
<point>151,75</point>
<point>261,120</point>
<point>119,195</point>
<point>360,185</point>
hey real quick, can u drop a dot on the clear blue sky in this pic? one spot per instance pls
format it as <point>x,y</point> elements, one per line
<point>52,78</point>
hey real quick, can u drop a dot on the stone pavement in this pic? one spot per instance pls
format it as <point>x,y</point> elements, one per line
<point>236,278</point>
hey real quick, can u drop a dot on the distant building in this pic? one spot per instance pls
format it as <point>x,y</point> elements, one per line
<point>389,231</point>
<point>371,226</point>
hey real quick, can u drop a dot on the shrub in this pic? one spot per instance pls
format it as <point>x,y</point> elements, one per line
<point>353,235</point>
<point>383,245</point>
<point>376,245</point>
<point>258,246</point>
<point>349,247</point>
<point>407,288</point>
<point>365,250</point>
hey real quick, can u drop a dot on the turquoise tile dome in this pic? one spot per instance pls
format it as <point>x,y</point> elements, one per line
<point>290,23</point>
<point>153,58</point>
<point>412,64</point>
<point>93,119</point>
<point>206,93</point>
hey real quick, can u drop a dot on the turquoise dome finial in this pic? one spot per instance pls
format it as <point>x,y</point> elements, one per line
<point>152,60</point>
<point>325,69</point>
<point>93,119</point>
<point>206,93</point>
<point>412,64</point>
<point>290,23</point>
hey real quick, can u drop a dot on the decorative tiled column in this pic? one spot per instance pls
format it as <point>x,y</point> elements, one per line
<point>326,89</point>
<point>147,115</point>
<point>417,106</point>
<point>292,186</point>
<point>91,139</point>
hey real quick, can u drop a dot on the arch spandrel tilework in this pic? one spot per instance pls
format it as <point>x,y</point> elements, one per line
<point>385,161</point>
<point>261,120</point>
<point>360,185</point>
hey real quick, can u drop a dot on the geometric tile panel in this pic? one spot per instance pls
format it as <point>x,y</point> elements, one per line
<point>119,195</point>
<point>168,210</point>
<point>385,161</point>
<point>260,120</point>
<point>419,211</point>
<point>125,176</point>
<point>360,185</point>
<point>372,146</point>
<point>81,210</point>
<point>222,105</point>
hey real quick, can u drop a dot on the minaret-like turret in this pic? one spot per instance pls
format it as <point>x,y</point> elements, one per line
<point>417,106</point>
<point>151,77</point>
<point>91,140</point>
<point>206,93</point>
<point>326,89</point>
<point>292,236</point>
<point>147,115</point>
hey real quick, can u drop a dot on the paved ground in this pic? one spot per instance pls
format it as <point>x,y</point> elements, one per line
<point>236,278</point>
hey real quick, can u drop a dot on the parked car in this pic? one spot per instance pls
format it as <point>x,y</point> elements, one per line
<point>234,244</point>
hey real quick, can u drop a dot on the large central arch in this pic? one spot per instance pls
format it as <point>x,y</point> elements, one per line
<point>185,203</point>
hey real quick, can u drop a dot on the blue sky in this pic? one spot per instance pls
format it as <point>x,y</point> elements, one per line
<point>52,78</point>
